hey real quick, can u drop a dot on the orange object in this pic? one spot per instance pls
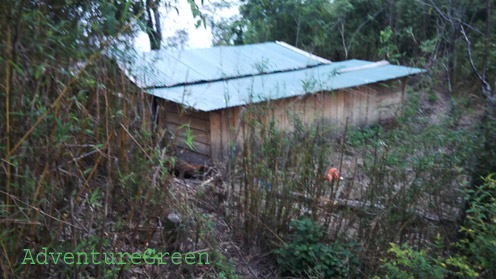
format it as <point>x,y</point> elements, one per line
<point>332,174</point>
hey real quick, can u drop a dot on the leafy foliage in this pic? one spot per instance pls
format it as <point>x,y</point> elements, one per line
<point>306,255</point>
<point>479,242</point>
<point>77,141</point>
<point>407,263</point>
<point>426,33</point>
<point>474,253</point>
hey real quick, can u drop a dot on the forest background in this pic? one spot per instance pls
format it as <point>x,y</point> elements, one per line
<point>83,168</point>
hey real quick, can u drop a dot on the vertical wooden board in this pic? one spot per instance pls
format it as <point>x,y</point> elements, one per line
<point>329,107</point>
<point>285,123</point>
<point>278,114</point>
<point>309,109</point>
<point>237,127</point>
<point>234,112</point>
<point>232,123</point>
<point>215,136</point>
<point>301,109</point>
<point>334,109</point>
<point>355,106</point>
<point>363,106</point>
<point>228,124</point>
<point>320,107</point>
<point>367,105</point>
<point>328,103</point>
<point>340,108</point>
<point>348,107</point>
<point>373,115</point>
<point>226,132</point>
<point>395,102</point>
<point>296,110</point>
<point>300,106</point>
<point>387,99</point>
<point>288,111</point>
<point>236,124</point>
<point>281,115</point>
<point>358,115</point>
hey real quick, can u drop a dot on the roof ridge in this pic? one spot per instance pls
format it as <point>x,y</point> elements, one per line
<point>171,50</point>
<point>366,66</point>
<point>305,53</point>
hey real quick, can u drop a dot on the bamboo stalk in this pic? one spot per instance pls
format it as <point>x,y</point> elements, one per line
<point>68,85</point>
<point>81,191</point>
<point>7,116</point>
<point>38,191</point>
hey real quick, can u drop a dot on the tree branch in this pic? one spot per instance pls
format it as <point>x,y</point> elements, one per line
<point>486,87</point>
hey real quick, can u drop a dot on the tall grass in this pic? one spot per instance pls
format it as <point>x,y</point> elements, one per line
<point>401,185</point>
<point>82,167</point>
<point>90,176</point>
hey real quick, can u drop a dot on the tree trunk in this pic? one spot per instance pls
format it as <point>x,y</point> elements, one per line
<point>153,29</point>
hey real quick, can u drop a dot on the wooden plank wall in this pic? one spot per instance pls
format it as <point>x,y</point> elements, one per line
<point>223,124</point>
<point>199,125</point>
<point>362,106</point>
<point>214,132</point>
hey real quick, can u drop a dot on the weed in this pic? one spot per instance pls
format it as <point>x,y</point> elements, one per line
<point>306,254</point>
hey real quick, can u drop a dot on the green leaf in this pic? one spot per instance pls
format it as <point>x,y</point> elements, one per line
<point>17,67</point>
<point>38,72</point>
<point>126,9</point>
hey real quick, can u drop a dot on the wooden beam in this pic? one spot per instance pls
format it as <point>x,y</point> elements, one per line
<point>195,123</point>
<point>198,147</point>
<point>198,135</point>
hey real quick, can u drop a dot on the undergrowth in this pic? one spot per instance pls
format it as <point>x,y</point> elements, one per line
<point>83,165</point>
<point>305,254</point>
<point>402,185</point>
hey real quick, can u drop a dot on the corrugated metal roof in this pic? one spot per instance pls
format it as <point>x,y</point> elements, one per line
<point>240,91</point>
<point>221,77</point>
<point>165,68</point>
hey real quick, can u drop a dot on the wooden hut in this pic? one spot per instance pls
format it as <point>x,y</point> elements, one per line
<point>207,89</point>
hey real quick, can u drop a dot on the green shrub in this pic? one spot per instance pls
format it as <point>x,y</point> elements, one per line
<point>360,137</point>
<point>475,253</point>
<point>305,255</point>
<point>479,230</point>
<point>410,264</point>
<point>225,268</point>
<point>407,263</point>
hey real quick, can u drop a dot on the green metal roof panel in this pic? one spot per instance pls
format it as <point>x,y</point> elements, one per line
<point>165,68</point>
<point>216,95</point>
